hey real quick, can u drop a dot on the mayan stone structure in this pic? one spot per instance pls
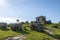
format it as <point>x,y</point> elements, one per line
<point>37,25</point>
<point>41,19</point>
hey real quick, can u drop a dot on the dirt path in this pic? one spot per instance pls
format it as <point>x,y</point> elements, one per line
<point>18,37</point>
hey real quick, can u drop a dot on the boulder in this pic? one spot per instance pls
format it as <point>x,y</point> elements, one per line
<point>36,26</point>
<point>3,25</point>
<point>15,27</point>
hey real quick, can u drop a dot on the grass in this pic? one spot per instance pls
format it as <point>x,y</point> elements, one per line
<point>57,33</point>
<point>30,34</point>
<point>34,35</point>
<point>7,33</point>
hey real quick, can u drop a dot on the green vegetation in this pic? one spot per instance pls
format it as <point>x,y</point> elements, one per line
<point>7,33</point>
<point>30,34</point>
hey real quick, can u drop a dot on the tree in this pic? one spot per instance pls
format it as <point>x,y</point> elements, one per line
<point>17,20</point>
<point>49,21</point>
<point>58,22</point>
<point>27,22</point>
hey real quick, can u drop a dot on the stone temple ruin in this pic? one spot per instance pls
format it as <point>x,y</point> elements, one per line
<point>36,25</point>
<point>41,19</point>
<point>15,26</point>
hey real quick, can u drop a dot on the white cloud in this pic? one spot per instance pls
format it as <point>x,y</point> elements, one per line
<point>8,20</point>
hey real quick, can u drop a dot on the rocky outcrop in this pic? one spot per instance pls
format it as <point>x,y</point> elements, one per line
<point>15,27</point>
<point>36,26</point>
<point>18,37</point>
<point>3,25</point>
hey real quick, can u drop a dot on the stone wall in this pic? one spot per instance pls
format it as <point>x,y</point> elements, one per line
<point>41,19</point>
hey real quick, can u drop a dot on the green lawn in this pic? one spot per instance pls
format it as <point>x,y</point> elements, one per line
<point>30,34</point>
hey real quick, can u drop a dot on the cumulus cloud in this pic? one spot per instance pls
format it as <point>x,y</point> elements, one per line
<point>10,20</point>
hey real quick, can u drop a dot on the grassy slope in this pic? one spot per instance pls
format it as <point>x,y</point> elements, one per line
<point>7,33</point>
<point>34,35</point>
<point>30,34</point>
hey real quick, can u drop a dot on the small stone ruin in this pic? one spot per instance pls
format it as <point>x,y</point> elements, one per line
<point>3,25</point>
<point>15,26</point>
<point>36,25</point>
<point>41,19</point>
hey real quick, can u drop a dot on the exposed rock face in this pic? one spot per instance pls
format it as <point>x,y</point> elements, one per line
<point>15,26</point>
<point>51,34</point>
<point>3,25</point>
<point>19,37</point>
<point>36,26</point>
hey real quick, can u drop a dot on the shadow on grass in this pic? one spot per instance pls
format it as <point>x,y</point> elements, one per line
<point>58,36</point>
<point>22,32</point>
<point>4,29</point>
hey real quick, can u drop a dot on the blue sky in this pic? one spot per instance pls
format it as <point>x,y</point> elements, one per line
<point>10,10</point>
